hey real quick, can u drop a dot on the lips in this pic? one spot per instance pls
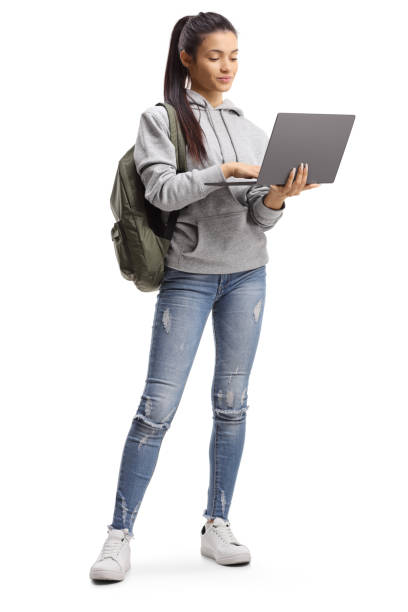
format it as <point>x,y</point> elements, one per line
<point>224,78</point>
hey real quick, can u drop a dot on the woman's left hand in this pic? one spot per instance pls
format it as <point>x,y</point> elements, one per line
<point>278,193</point>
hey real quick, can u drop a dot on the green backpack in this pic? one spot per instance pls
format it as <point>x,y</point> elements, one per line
<point>142,232</point>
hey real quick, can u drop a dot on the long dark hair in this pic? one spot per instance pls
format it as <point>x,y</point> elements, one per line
<point>188,34</point>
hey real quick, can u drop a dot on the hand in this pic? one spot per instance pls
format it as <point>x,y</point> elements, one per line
<point>241,170</point>
<point>278,193</point>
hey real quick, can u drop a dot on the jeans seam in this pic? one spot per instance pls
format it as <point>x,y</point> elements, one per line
<point>216,430</point>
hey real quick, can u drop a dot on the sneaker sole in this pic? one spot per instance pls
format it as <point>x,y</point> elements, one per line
<point>97,574</point>
<point>243,557</point>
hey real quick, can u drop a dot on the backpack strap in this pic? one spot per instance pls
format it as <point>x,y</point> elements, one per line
<point>176,136</point>
<point>167,220</point>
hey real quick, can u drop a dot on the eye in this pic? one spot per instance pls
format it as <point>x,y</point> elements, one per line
<point>214,59</point>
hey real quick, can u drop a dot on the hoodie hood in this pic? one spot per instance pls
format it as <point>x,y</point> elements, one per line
<point>197,100</point>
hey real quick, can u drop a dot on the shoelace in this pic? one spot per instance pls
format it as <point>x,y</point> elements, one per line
<point>112,547</point>
<point>225,532</point>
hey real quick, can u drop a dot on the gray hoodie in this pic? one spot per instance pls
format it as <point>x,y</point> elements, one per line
<point>219,229</point>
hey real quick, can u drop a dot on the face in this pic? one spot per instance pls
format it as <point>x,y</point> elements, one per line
<point>217,56</point>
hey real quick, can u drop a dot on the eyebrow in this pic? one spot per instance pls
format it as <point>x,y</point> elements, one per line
<point>219,50</point>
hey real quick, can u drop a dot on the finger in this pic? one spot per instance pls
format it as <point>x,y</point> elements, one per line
<point>306,169</point>
<point>299,175</point>
<point>296,187</point>
<point>312,186</point>
<point>291,176</point>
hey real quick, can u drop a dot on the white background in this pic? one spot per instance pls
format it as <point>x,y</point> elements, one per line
<point>321,497</point>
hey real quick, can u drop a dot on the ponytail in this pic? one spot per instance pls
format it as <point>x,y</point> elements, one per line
<point>188,34</point>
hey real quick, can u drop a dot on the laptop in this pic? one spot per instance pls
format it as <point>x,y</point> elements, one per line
<point>319,139</point>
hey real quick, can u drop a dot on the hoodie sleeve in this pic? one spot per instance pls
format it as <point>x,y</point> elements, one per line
<point>258,212</point>
<point>155,159</point>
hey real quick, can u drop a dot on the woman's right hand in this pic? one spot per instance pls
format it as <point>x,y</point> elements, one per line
<point>240,170</point>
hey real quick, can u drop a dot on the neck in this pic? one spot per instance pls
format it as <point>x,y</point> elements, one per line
<point>213,97</point>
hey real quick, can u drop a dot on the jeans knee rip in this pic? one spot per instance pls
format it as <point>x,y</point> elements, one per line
<point>229,400</point>
<point>232,413</point>
<point>151,423</point>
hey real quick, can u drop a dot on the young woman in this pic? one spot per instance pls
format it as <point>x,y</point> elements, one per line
<point>216,263</point>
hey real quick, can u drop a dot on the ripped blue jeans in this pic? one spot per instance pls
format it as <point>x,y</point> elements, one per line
<point>183,304</point>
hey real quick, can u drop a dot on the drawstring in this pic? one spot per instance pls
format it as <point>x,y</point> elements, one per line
<point>226,127</point>
<point>232,142</point>
<point>215,132</point>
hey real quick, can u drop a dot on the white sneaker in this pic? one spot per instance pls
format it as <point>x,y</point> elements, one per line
<point>219,543</point>
<point>114,559</point>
